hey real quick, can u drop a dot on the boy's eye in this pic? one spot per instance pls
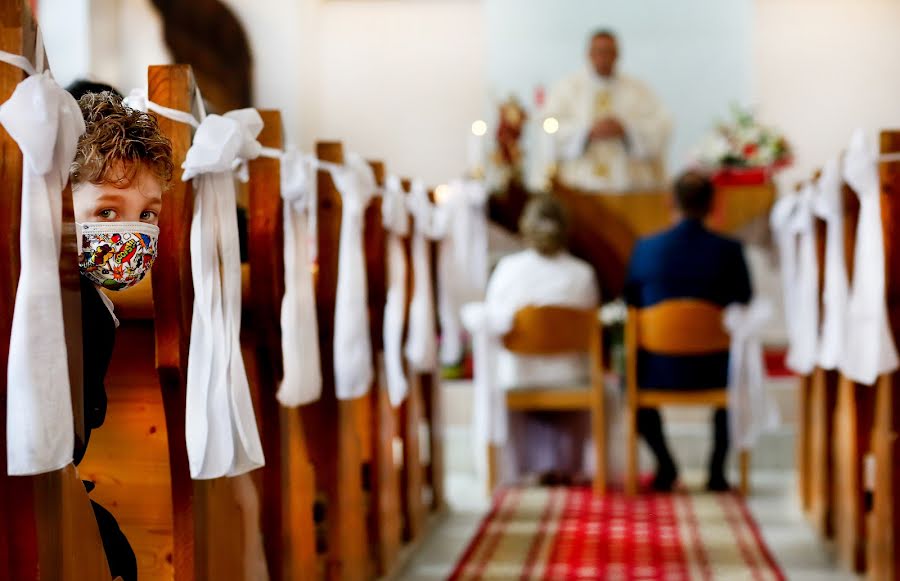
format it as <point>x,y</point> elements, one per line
<point>107,214</point>
<point>148,215</point>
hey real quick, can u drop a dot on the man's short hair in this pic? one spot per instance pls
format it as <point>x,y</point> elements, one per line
<point>604,33</point>
<point>115,133</point>
<point>694,194</point>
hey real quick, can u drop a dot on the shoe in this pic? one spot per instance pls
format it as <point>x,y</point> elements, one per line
<point>665,479</point>
<point>718,483</point>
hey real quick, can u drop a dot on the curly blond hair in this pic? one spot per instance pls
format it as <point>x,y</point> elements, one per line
<point>121,139</point>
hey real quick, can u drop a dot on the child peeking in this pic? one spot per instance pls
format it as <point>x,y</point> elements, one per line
<point>122,167</point>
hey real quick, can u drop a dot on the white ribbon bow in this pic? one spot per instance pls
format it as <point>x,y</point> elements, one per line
<point>462,261</point>
<point>46,122</point>
<point>220,426</point>
<point>792,222</point>
<point>430,222</point>
<point>869,347</point>
<point>396,221</point>
<point>302,382</point>
<point>489,418</point>
<point>353,365</point>
<point>830,207</point>
<point>752,411</point>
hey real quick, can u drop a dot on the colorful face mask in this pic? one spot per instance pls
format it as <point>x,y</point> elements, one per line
<point>117,255</point>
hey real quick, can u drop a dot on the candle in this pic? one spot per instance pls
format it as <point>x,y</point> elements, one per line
<point>477,149</point>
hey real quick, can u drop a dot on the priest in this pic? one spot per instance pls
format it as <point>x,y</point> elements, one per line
<point>613,130</point>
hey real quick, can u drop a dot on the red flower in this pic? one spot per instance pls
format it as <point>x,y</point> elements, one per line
<point>749,149</point>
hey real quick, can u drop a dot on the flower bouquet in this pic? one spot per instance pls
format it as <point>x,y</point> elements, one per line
<point>741,151</point>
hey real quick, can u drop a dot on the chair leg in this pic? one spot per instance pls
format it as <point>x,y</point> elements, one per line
<point>744,461</point>
<point>631,460</point>
<point>491,470</point>
<point>598,428</point>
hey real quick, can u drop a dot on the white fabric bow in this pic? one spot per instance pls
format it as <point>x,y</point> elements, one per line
<point>220,426</point>
<point>396,221</point>
<point>302,382</point>
<point>430,222</point>
<point>830,207</point>
<point>490,423</point>
<point>46,122</point>
<point>353,365</point>
<point>869,348</point>
<point>462,261</point>
<point>792,222</point>
<point>752,411</point>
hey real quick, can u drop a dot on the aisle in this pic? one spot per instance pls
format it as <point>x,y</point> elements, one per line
<point>783,528</point>
<point>773,504</point>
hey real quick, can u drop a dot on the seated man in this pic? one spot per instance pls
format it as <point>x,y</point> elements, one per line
<point>122,166</point>
<point>547,444</point>
<point>686,261</point>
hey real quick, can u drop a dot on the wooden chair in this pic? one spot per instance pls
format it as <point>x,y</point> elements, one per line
<point>42,517</point>
<point>673,327</point>
<point>557,331</point>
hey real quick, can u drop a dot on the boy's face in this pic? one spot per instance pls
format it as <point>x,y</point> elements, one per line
<point>119,200</point>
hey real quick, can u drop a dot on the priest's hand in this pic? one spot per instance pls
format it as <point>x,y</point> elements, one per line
<point>607,128</point>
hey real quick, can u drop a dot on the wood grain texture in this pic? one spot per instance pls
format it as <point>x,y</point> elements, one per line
<point>884,539</point>
<point>42,516</point>
<point>384,515</point>
<point>822,403</point>
<point>18,532</point>
<point>288,482</point>
<point>173,86</point>
<point>330,425</point>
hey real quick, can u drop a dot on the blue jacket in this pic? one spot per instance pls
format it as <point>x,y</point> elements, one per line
<point>686,261</point>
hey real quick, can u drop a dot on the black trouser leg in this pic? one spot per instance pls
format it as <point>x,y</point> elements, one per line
<point>650,427</point>
<point>720,448</point>
<point>119,554</point>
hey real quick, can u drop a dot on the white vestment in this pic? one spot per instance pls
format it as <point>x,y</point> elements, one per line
<point>633,163</point>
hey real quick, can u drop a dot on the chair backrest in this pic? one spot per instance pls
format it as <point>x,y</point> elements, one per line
<point>678,327</point>
<point>553,331</point>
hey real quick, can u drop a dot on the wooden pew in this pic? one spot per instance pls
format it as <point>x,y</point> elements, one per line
<point>287,481</point>
<point>377,416</point>
<point>43,518</point>
<point>411,414</point>
<point>817,431</point>
<point>852,429</point>
<point>179,528</point>
<point>884,542</point>
<point>330,426</point>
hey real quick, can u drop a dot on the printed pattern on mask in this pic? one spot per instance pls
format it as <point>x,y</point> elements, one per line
<point>117,256</point>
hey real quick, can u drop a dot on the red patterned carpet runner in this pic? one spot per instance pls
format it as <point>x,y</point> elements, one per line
<point>558,534</point>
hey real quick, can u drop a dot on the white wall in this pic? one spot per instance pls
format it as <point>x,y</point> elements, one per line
<point>824,67</point>
<point>401,81</point>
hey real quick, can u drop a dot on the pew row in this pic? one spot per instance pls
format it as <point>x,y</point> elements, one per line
<point>44,515</point>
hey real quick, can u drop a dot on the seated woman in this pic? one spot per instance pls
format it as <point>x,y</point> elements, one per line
<point>553,445</point>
